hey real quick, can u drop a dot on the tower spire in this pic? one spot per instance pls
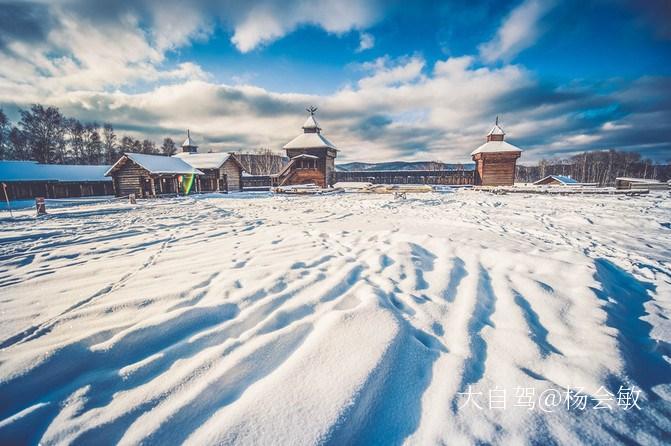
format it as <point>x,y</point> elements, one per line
<point>188,145</point>
<point>496,133</point>
<point>311,125</point>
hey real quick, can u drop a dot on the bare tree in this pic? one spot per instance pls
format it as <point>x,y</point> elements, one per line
<point>75,135</point>
<point>5,126</point>
<point>19,144</point>
<point>110,144</point>
<point>600,167</point>
<point>93,146</point>
<point>168,147</point>
<point>44,130</point>
<point>148,147</point>
<point>262,162</point>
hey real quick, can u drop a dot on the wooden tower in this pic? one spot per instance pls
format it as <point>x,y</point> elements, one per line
<point>311,156</point>
<point>495,160</point>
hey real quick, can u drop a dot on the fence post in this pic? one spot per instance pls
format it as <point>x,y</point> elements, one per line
<point>9,207</point>
<point>40,205</point>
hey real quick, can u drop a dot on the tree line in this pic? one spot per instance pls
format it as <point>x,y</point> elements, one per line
<point>601,167</point>
<point>262,162</point>
<point>45,135</point>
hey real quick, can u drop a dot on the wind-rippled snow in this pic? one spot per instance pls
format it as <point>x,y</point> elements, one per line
<point>347,319</point>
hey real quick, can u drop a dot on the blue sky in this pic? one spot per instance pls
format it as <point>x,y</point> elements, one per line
<point>393,80</point>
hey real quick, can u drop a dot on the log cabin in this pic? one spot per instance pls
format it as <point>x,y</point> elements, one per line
<point>495,160</point>
<point>29,179</point>
<point>640,183</point>
<point>556,180</point>
<point>311,157</point>
<point>151,175</point>
<point>222,172</point>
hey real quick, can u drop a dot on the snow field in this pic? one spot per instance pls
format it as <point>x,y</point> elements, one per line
<point>348,319</point>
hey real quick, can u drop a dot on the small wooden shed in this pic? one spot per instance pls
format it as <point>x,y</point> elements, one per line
<point>495,160</point>
<point>151,175</point>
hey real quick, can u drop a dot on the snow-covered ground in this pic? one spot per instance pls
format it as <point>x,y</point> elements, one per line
<point>344,319</point>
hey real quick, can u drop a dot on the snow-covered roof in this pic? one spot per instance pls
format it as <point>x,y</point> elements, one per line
<point>305,155</point>
<point>32,171</point>
<point>309,141</point>
<point>496,147</point>
<point>311,123</point>
<point>637,180</point>
<point>188,142</point>
<point>561,178</point>
<point>496,130</point>
<point>158,164</point>
<point>212,160</point>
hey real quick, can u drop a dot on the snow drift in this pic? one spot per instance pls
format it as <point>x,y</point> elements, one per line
<point>349,319</point>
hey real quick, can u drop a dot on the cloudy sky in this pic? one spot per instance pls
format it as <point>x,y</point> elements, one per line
<point>419,80</point>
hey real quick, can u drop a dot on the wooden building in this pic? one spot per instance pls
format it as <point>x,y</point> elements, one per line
<point>151,175</point>
<point>560,180</point>
<point>222,172</point>
<point>640,183</point>
<point>25,180</point>
<point>311,157</point>
<point>495,160</point>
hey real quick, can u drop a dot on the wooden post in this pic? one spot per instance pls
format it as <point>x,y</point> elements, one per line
<point>4,187</point>
<point>131,199</point>
<point>40,205</point>
<point>151,185</point>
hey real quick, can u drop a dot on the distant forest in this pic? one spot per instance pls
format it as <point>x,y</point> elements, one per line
<point>45,135</point>
<point>601,167</point>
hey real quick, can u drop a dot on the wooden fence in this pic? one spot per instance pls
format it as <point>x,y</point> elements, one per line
<point>447,177</point>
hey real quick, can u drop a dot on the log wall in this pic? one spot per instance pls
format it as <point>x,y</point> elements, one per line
<point>128,179</point>
<point>445,177</point>
<point>27,190</point>
<point>305,176</point>
<point>257,183</point>
<point>495,169</point>
<point>233,175</point>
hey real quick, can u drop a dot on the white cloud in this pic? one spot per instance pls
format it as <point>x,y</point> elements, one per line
<point>400,108</point>
<point>366,42</point>
<point>385,73</point>
<point>123,43</point>
<point>438,116</point>
<point>268,21</point>
<point>518,31</point>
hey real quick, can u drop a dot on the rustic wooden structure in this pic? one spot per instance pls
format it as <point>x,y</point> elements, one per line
<point>311,157</point>
<point>256,182</point>
<point>639,183</point>
<point>150,175</point>
<point>495,160</point>
<point>222,172</point>
<point>445,177</point>
<point>560,180</point>
<point>29,180</point>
